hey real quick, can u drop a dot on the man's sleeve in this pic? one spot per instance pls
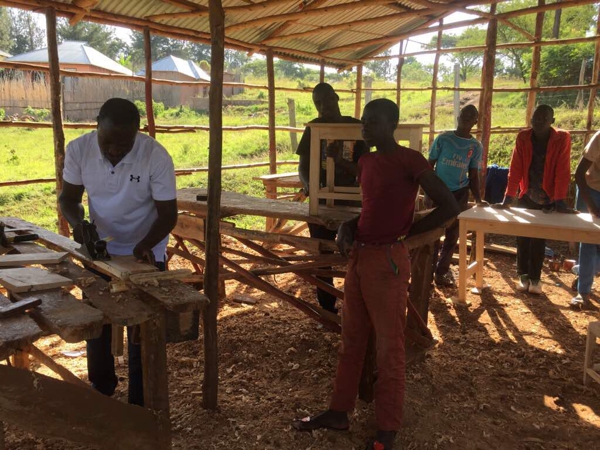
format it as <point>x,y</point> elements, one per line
<point>515,173</point>
<point>475,162</point>
<point>592,149</point>
<point>434,151</point>
<point>304,145</point>
<point>72,170</point>
<point>162,176</point>
<point>419,165</point>
<point>563,169</point>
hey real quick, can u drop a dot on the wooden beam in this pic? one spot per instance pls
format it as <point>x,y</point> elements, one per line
<point>594,81</point>
<point>231,10</point>
<point>211,286</point>
<point>548,7</point>
<point>434,83</point>
<point>272,138</point>
<point>56,109</point>
<point>65,374</point>
<point>280,29</point>
<point>148,83</point>
<point>50,408</point>
<point>535,64</point>
<point>487,82</point>
<point>399,74</point>
<point>358,95</point>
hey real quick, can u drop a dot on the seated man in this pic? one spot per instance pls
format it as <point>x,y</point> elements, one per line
<point>346,155</point>
<point>540,169</point>
<point>456,159</point>
<point>587,177</point>
<point>130,183</point>
<point>376,286</point>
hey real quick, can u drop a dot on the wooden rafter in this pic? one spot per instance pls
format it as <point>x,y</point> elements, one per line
<point>283,27</point>
<point>228,10</point>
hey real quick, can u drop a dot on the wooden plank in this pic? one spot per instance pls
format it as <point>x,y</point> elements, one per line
<point>51,408</point>
<point>154,278</point>
<point>26,260</point>
<point>18,307</point>
<point>31,279</point>
<point>123,267</point>
<point>16,332</point>
<point>174,296</point>
<point>54,366</point>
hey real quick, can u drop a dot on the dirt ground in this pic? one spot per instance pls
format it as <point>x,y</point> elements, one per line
<point>506,374</point>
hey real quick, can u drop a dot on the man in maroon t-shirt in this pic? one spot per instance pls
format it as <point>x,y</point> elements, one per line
<point>379,271</point>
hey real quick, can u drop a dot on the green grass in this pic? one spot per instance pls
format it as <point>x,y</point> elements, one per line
<point>28,153</point>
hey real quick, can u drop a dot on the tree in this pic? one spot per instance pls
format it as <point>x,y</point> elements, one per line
<point>235,59</point>
<point>6,41</point>
<point>469,62</point>
<point>381,68</point>
<point>26,35</point>
<point>97,36</point>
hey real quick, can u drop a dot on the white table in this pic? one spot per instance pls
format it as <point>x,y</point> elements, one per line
<point>517,222</point>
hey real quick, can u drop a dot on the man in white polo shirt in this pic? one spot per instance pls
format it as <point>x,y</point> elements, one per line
<point>130,182</point>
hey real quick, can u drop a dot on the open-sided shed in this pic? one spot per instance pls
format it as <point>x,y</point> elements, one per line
<point>335,33</point>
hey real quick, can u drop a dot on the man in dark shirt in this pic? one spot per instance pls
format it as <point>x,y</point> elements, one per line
<point>540,170</point>
<point>346,155</point>
<point>376,285</point>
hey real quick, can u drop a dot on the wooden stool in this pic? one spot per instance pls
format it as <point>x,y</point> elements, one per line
<point>589,369</point>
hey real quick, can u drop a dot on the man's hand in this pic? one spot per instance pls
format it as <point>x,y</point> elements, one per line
<point>504,205</point>
<point>78,233</point>
<point>345,237</point>
<point>144,253</point>
<point>334,150</point>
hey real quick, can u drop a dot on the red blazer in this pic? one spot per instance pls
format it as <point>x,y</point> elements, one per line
<point>557,169</point>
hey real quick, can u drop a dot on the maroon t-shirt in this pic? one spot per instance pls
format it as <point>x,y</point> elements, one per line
<point>389,189</point>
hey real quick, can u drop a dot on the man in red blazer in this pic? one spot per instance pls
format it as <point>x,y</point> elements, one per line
<point>540,170</point>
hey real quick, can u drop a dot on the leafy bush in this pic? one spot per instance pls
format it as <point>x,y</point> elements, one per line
<point>141,106</point>
<point>38,114</point>
<point>2,114</point>
<point>158,108</point>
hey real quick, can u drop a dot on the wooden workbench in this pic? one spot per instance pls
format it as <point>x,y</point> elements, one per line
<point>517,222</point>
<point>73,320</point>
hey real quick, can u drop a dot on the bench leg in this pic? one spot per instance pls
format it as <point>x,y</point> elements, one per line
<point>589,353</point>
<point>20,360</point>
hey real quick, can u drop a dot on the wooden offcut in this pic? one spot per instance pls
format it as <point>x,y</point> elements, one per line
<point>18,307</point>
<point>16,331</point>
<point>31,279</point>
<point>51,408</point>
<point>174,295</point>
<point>27,260</point>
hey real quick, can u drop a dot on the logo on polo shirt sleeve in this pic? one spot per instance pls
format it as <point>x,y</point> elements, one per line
<point>132,178</point>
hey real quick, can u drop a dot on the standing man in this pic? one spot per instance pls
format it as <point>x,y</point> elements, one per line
<point>587,178</point>
<point>345,154</point>
<point>378,272</point>
<point>130,183</point>
<point>456,159</point>
<point>540,169</point>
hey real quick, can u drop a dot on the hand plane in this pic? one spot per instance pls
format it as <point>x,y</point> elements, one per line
<point>96,247</point>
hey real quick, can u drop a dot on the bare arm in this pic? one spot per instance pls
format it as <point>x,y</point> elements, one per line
<point>437,190</point>
<point>584,189</point>
<point>162,226</point>
<point>345,236</point>
<point>71,206</point>
<point>304,171</point>
<point>474,186</point>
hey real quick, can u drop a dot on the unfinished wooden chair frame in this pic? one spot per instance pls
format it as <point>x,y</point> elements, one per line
<point>344,132</point>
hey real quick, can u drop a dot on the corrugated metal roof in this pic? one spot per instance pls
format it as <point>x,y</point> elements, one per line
<point>341,32</point>
<point>174,64</point>
<point>73,52</point>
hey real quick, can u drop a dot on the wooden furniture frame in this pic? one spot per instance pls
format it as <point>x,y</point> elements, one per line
<point>517,222</point>
<point>344,132</point>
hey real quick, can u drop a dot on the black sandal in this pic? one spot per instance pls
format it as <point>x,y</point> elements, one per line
<point>315,423</point>
<point>383,441</point>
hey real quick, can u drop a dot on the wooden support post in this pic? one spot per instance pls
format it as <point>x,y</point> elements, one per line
<point>56,108</point>
<point>594,80</point>
<point>211,275</point>
<point>148,84</point>
<point>357,101</point>
<point>487,82</point>
<point>399,74</point>
<point>20,359</point>
<point>322,72</point>
<point>272,139</point>
<point>535,65</point>
<point>292,113</point>
<point>368,89</point>
<point>434,83</point>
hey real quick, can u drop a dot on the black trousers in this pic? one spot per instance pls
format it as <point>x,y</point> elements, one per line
<point>530,251</point>
<point>451,236</point>
<point>326,300</point>
<point>101,362</point>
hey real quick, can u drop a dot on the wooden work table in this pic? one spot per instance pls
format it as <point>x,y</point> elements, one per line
<point>517,222</point>
<point>61,313</point>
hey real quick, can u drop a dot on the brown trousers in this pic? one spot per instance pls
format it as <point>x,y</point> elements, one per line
<point>376,291</point>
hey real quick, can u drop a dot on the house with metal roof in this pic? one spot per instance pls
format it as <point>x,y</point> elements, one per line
<point>76,56</point>
<point>174,68</point>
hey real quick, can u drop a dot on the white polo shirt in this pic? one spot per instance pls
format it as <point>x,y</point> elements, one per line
<point>121,198</point>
